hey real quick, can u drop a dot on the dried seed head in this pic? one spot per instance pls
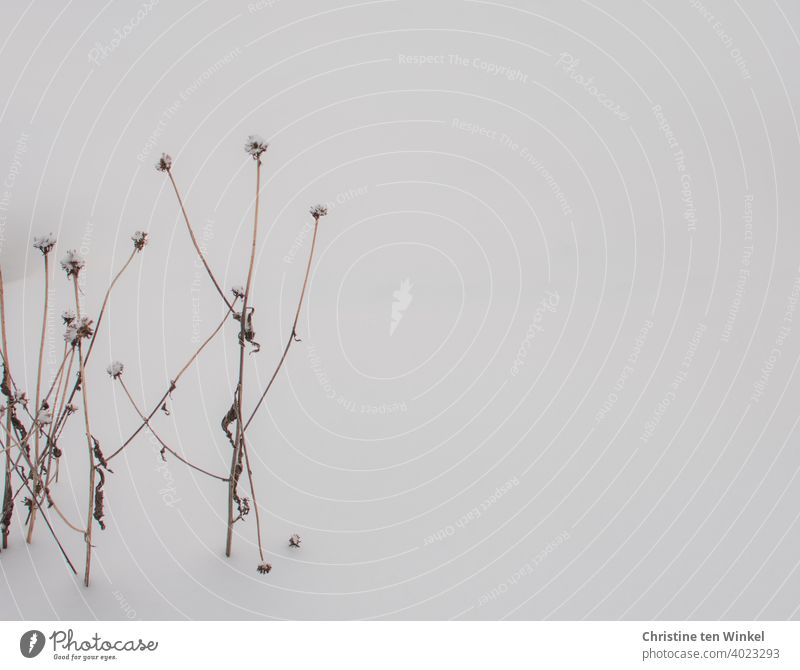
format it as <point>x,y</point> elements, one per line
<point>294,541</point>
<point>164,163</point>
<point>139,240</point>
<point>318,211</point>
<point>45,243</point>
<point>19,397</point>
<point>78,329</point>
<point>44,417</point>
<point>115,369</point>
<point>71,409</point>
<point>72,263</point>
<point>85,329</point>
<point>68,316</point>
<point>238,291</point>
<point>264,568</point>
<point>255,146</point>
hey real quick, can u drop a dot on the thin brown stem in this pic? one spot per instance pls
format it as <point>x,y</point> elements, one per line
<point>35,421</point>
<point>171,388</point>
<point>38,483</point>
<point>195,243</point>
<point>255,500</point>
<point>38,405</point>
<point>52,438</point>
<point>236,457</point>
<point>293,334</point>
<point>160,441</point>
<point>52,530</point>
<point>85,394</point>
<point>62,417</point>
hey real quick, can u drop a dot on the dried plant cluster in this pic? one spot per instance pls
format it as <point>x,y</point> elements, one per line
<point>32,430</point>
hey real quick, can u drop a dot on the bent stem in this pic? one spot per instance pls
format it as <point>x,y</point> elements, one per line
<point>236,457</point>
<point>50,527</point>
<point>195,243</point>
<point>293,334</point>
<point>171,388</point>
<point>60,407</point>
<point>160,441</point>
<point>255,500</point>
<point>85,394</point>
<point>38,406</point>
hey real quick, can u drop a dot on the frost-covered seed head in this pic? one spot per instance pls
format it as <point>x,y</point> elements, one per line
<point>78,329</point>
<point>139,240</point>
<point>318,211</point>
<point>255,146</point>
<point>72,263</point>
<point>115,369</point>
<point>164,163</point>
<point>45,243</point>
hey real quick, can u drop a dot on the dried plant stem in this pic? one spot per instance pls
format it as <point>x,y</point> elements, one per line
<point>171,388</point>
<point>7,489</point>
<point>37,480</point>
<point>62,417</point>
<point>38,406</point>
<point>160,441</point>
<point>293,334</point>
<point>255,500</point>
<point>52,438</point>
<point>236,457</point>
<point>196,245</point>
<point>105,303</point>
<point>85,394</point>
<point>52,530</point>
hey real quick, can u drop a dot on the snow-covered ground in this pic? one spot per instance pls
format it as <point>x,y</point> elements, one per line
<point>546,363</point>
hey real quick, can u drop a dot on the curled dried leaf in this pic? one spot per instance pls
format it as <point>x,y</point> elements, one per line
<point>98,454</point>
<point>99,500</point>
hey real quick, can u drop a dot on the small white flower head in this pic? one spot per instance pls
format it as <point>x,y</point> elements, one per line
<point>68,316</point>
<point>78,329</point>
<point>45,417</point>
<point>45,243</point>
<point>139,239</point>
<point>115,369</point>
<point>238,291</point>
<point>19,397</point>
<point>164,163</point>
<point>72,263</point>
<point>318,211</point>
<point>255,146</point>
<point>71,334</point>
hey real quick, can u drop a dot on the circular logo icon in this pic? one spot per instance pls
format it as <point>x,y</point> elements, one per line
<point>31,643</point>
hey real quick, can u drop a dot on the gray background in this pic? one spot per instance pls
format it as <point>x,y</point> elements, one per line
<point>377,447</point>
